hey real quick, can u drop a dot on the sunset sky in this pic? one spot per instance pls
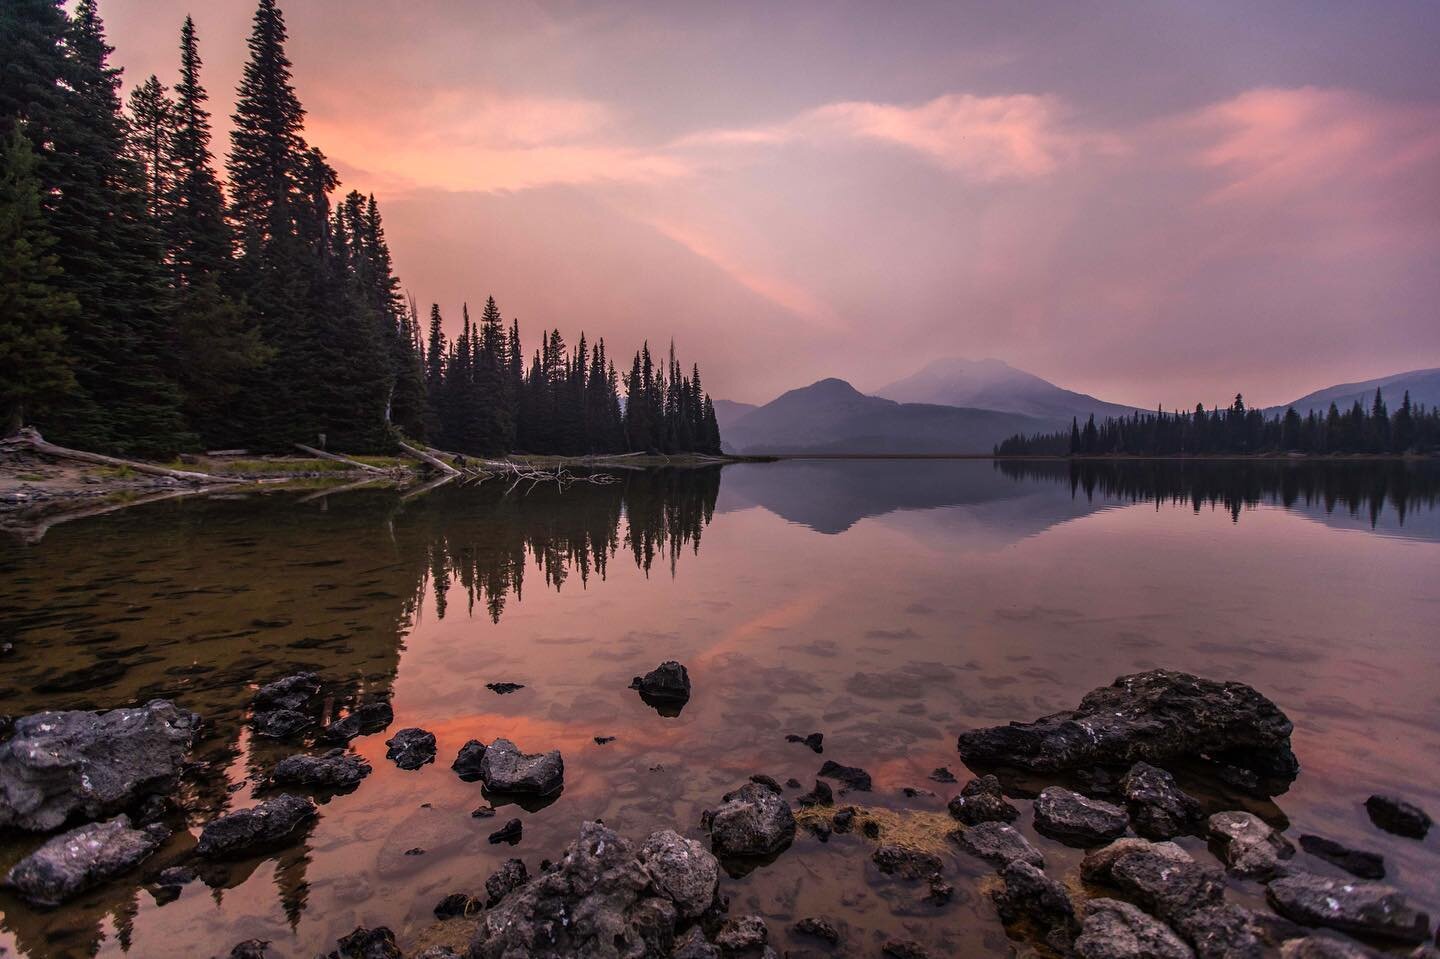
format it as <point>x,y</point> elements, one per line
<point>1153,202</point>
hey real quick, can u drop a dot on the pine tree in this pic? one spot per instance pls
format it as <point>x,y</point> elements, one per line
<point>150,142</point>
<point>199,239</point>
<point>34,371</point>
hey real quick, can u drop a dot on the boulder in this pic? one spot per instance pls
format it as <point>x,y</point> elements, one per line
<point>751,822</point>
<point>411,748</point>
<point>1118,930</point>
<point>59,765</point>
<point>1077,820</point>
<point>982,800</point>
<point>1395,815</point>
<point>1159,809</point>
<point>1357,862</point>
<point>82,858</point>
<point>1152,716</point>
<point>246,831</point>
<point>1247,845</point>
<point>505,769</point>
<point>1030,894</point>
<point>468,761</point>
<point>510,876</point>
<point>1362,908</point>
<point>1161,877</point>
<point>597,901</point>
<point>363,720</point>
<point>335,769</point>
<point>668,683</point>
<point>999,844</point>
<point>294,692</point>
<point>851,777</point>
<point>682,870</point>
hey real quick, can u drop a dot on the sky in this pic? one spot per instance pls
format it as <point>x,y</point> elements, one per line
<point>1154,202</point>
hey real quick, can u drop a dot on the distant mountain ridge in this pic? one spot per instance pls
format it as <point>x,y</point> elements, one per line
<point>831,416</point>
<point>991,384</point>
<point>1423,386</point>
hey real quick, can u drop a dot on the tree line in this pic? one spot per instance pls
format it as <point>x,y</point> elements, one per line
<point>145,308</point>
<point>1411,428</point>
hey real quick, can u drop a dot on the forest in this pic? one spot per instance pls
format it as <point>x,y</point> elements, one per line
<point>147,307</point>
<point>1238,430</point>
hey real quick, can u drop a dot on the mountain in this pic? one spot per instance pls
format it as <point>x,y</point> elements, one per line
<point>1424,387</point>
<point>831,416</point>
<point>996,385</point>
<point>728,412</point>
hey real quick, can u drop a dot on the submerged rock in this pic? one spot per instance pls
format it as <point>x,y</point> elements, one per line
<point>821,795</point>
<point>904,949</point>
<point>999,844</point>
<point>1118,930</point>
<point>510,876</point>
<point>1076,820</point>
<point>459,904</point>
<point>247,830</point>
<point>87,856</point>
<point>894,859</point>
<point>1247,845</point>
<point>505,769</point>
<point>682,870</point>
<point>819,928</point>
<point>335,769</point>
<point>851,777</point>
<point>281,723</point>
<point>510,833</point>
<point>1152,716</point>
<point>57,765</point>
<point>468,762</point>
<point>377,943</point>
<point>942,774</point>
<point>1030,894</point>
<point>816,741</point>
<point>1362,908</point>
<point>1357,862</point>
<point>982,800</point>
<point>753,821</point>
<point>667,683</point>
<point>1159,809</point>
<point>363,720</point>
<point>595,902</point>
<point>742,935</point>
<point>411,748</point>
<point>1395,815</point>
<point>294,692</point>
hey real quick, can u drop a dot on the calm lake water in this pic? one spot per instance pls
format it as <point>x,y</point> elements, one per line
<point>888,604</point>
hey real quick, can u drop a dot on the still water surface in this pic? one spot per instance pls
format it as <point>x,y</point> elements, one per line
<point>889,605</point>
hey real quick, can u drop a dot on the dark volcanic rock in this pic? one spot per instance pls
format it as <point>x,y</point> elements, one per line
<point>72,862</point>
<point>1151,716</point>
<point>1159,809</point>
<point>362,721</point>
<point>1247,845</point>
<point>819,928</point>
<point>1076,820</point>
<point>751,822</point>
<point>1161,877</point>
<point>999,844</point>
<point>293,692</point>
<point>1225,931</point>
<point>1398,816</point>
<point>411,748</point>
<point>742,935</point>
<point>903,949</point>
<point>510,832</point>
<point>694,945</point>
<point>898,860</point>
<point>335,769</point>
<point>377,943</point>
<point>667,683</point>
<point>459,904</point>
<point>510,876</point>
<point>942,774</point>
<point>247,830</point>
<point>1357,862</point>
<point>57,765</point>
<point>597,901</point>
<point>851,777</point>
<point>505,769</point>
<point>281,723</point>
<point>1117,930</point>
<point>981,800</point>
<point>682,870</point>
<point>253,949</point>
<point>1030,894</point>
<point>468,762</point>
<point>821,795</point>
<point>1329,947</point>
<point>816,741</point>
<point>1361,908</point>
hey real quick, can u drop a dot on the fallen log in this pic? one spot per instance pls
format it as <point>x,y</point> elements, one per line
<point>337,458</point>
<point>31,439</point>
<point>434,461</point>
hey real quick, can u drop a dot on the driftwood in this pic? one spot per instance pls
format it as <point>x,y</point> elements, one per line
<point>30,438</point>
<point>480,470</point>
<point>320,494</point>
<point>336,457</point>
<point>32,531</point>
<point>432,460</point>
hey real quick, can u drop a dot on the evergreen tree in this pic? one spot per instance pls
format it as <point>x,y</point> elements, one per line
<point>150,143</point>
<point>199,239</point>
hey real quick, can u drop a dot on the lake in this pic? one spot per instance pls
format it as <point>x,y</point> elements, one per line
<point>889,605</point>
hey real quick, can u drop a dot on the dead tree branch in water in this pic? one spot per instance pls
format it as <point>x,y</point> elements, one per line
<point>29,438</point>
<point>336,457</point>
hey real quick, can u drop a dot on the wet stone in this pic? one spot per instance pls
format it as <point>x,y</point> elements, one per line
<point>377,943</point>
<point>904,949</point>
<point>1118,930</point>
<point>505,769</point>
<point>508,833</point>
<point>1357,862</point>
<point>281,723</point>
<point>682,870</point>
<point>247,830</point>
<point>363,720</point>
<point>294,692</point>
<point>1161,877</point>
<point>335,769</point>
<point>82,858</point>
<point>981,800</point>
<point>411,748</point>
<point>1030,894</point>
<point>999,844</point>
<point>457,904</point>
<point>1223,931</point>
<point>1077,820</point>
<point>942,774</point>
<point>850,777</point>
<point>1248,845</point>
<point>467,764</point>
<point>815,741</point>
<point>1351,906</point>
<point>510,876</point>
<point>1395,815</point>
<point>818,928</point>
<point>752,821</point>
<point>1159,809</point>
<point>667,683</point>
<point>821,795</point>
<point>742,934</point>
<point>1327,947</point>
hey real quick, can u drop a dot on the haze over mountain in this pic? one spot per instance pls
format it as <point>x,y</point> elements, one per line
<point>1424,387</point>
<point>729,412</point>
<point>991,384</point>
<point>831,416</point>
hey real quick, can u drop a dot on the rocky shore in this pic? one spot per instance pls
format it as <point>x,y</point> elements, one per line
<point>1099,778</point>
